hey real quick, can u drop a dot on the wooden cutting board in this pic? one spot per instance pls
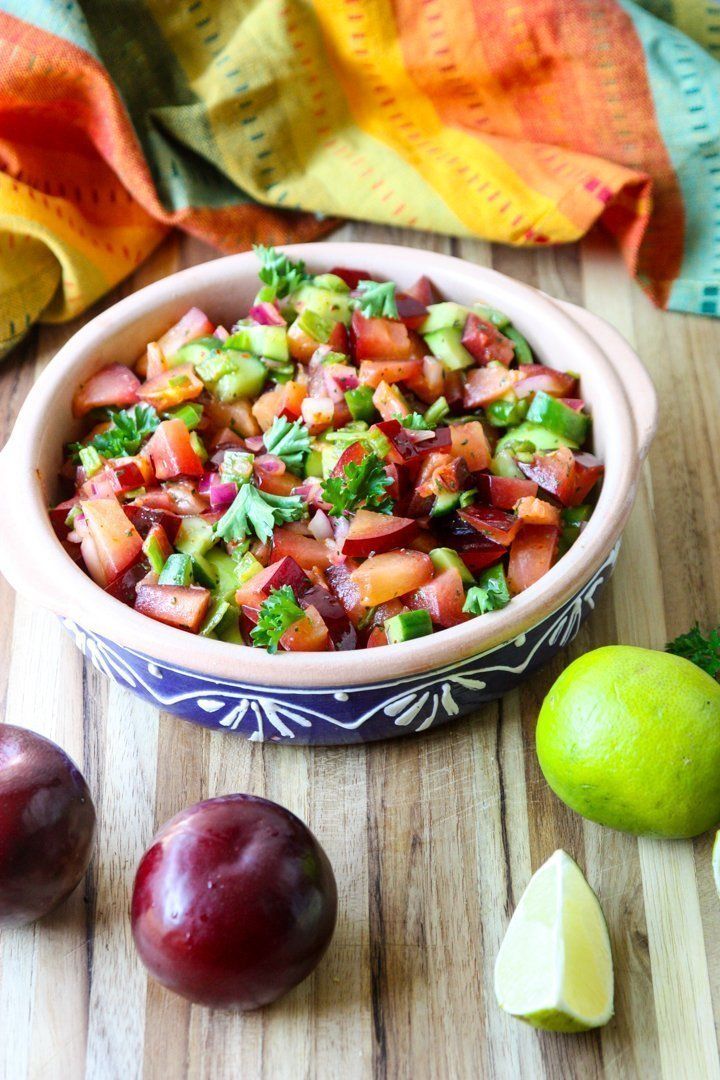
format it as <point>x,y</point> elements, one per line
<point>433,839</point>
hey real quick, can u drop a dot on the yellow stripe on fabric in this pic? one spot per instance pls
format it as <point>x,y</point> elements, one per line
<point>286,134</point>
<point>481,188</point>
<point>29,276</point>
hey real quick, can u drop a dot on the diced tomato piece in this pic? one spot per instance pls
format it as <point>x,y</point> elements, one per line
<point>470,442</point>
<point>58,515</point>
<point>376,637</point>
<point>156,362</point>
<point>128,475</point>
<point>497,525</point>
<point>171,388</point>
<point>317,413</point>
<point>536,377</point>
<point>487,384</point>
<point>145,517</point>
<point>284,571</point>
<point>588,471</point>
<point>430,384</point>
<point>284,400</point>
<point>352,278</point>
<point>171,451</point>
<point>300,345</point>
<point>194,324</point>
<point>158,535</point>
<point>117,541</point>
<point>276,483</point>
<point>183,607</point>
<point>411,311</point>
<point>238,416</point>
<point>504,491</point>
<point>339,340</point>
<point>424,291</point>
<point>223,439</point>
<point>373,372</point>
<point>389,402</point>
<point>309,634</point>
<point>392,574</point>
<point>443,598</point>
<point>532,511</point>
<point>340,581</point>
<point>531,555</point>
<point>378,338</point>
<point>485,342</point>
<point>373,533</point>
<point>306,551</point>
<point>114,385</point>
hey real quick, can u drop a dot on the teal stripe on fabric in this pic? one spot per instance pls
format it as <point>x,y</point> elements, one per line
<point>685,84</point>
<point>169,120</point>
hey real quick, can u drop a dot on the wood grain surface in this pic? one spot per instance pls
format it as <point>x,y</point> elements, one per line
<point>433,839</point>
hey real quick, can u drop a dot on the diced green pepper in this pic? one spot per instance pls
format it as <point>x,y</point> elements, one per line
<point>408,625</point>
<point>198,446</point>
<point>360,403</point>
<point>492,315</point>
<point>523,352</point>
<point>437,412</point>
<point>313,464</point>
<point>332,357</point>
<point>190,413</point>
<point>507,411</point>
<point>177,571</point>
<point>573,517</point>
<point>537,436</point>
<point>153,550</point>
<point>216,614</point>
<point>90,460</point>
<point>446,559</point>
<point>559,418</point>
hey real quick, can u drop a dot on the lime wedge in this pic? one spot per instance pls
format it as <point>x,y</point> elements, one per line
<point>716,861</point>
<point>554,969</point>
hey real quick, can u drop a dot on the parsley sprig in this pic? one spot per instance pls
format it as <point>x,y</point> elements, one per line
<point>129,428</point>
<point>490,594</point>
<point>278,273</point>
<point>276,615</point>
<point>415,421</point>
<point>258,512</point>
<point>700,650</point>
<point>363,483</point>
<point>376,298</point>
<point>290,441</point>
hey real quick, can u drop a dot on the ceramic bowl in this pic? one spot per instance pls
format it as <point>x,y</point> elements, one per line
<point>351,696</point>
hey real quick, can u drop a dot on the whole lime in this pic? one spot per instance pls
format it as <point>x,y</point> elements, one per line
<point>630,738</point>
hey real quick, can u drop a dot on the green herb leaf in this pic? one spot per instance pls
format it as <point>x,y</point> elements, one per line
<point>377,298</point>
<point>490,594</point>
<point>129,428</point>
<point>276,615</point>
<point>258,512</point>
<point>700,650</point>
<point>415,421</point>
<point>290,441</point>
<point>364,483</point>
<point>278,273</point>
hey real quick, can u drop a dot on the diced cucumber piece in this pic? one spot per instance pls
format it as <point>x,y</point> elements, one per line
<point>198,446</point>
<point>447,346</point>
<point>330,454</point>
<point>195,351</point>
<point>313,463</point>
<point>445,503</point>
<point>204,572</point>
<point>329,303</point>
<point>246,568</point>
<point>558,417</point>
<point>237,466</point>
<point>195,536</point>
<point>216,614</point>
<point>540,437</point>
<point>153,550</point>
<point>90,461</point>
<point>492,315</point>
<point>444,315</point>
<point>177,571</point>
<point>504,464</point>
<point>332,282</point>
<point>226,569</point>
<point>408,625</point>
<point>436,413</point>
<point>242,384</point>
<point>360,403</point>
<point>315,326</point>
<point>229,627</point>
<point>190,413</point>
<point>446,559</point>
<point>523,352</point>
<point>269,341</point>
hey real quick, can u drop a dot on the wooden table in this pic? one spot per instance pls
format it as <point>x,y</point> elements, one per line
<point>432,839</point>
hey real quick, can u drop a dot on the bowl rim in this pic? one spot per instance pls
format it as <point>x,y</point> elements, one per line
<point>36,564</point>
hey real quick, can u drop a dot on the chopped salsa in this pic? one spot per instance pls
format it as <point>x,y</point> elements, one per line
<point>348,465</point>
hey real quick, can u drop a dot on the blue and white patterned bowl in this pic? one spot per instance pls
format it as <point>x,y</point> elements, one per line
<point>319,697</point>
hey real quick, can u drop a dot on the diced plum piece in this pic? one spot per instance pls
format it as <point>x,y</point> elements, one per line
<point>374,533</point>
<point>117,541</point>
<point>376,637</point>
<point>442,598</point>
<point>536,377</point>
<point>487,384</point>
<point>352,454</point>
<point>284,571</point>
<point>478,558</point>
<point>183,607</point>
<point>424,291</point>
<point>390,575</point>
<point>379,338</point>
<point>123,587</point>
<point>171,388</point>
<point>497,525</point>
<point>567,476</point>
<point>470,442</point>
<point>485,342</point>
<point>352,278</point>
<point>532,511</point>
<point>340,581</point>
<point>305,551</point>
<point>342,631</point>
<point>588,471</point>
<point>309,634</point>
<point>411,311</point>
<point>504,491</point>
<point>373,372</point>
<point>144,517</point>
<point>171,451</point>
<point>114,385</point>
<point>531,555</point>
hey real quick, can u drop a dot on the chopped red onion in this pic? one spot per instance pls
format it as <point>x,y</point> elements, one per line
<point>222,333</point>
<point>270,464</point>
<point>255,443</point>
<point>222,495</point>
<point>266,314</point>
<point>341,527</point>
